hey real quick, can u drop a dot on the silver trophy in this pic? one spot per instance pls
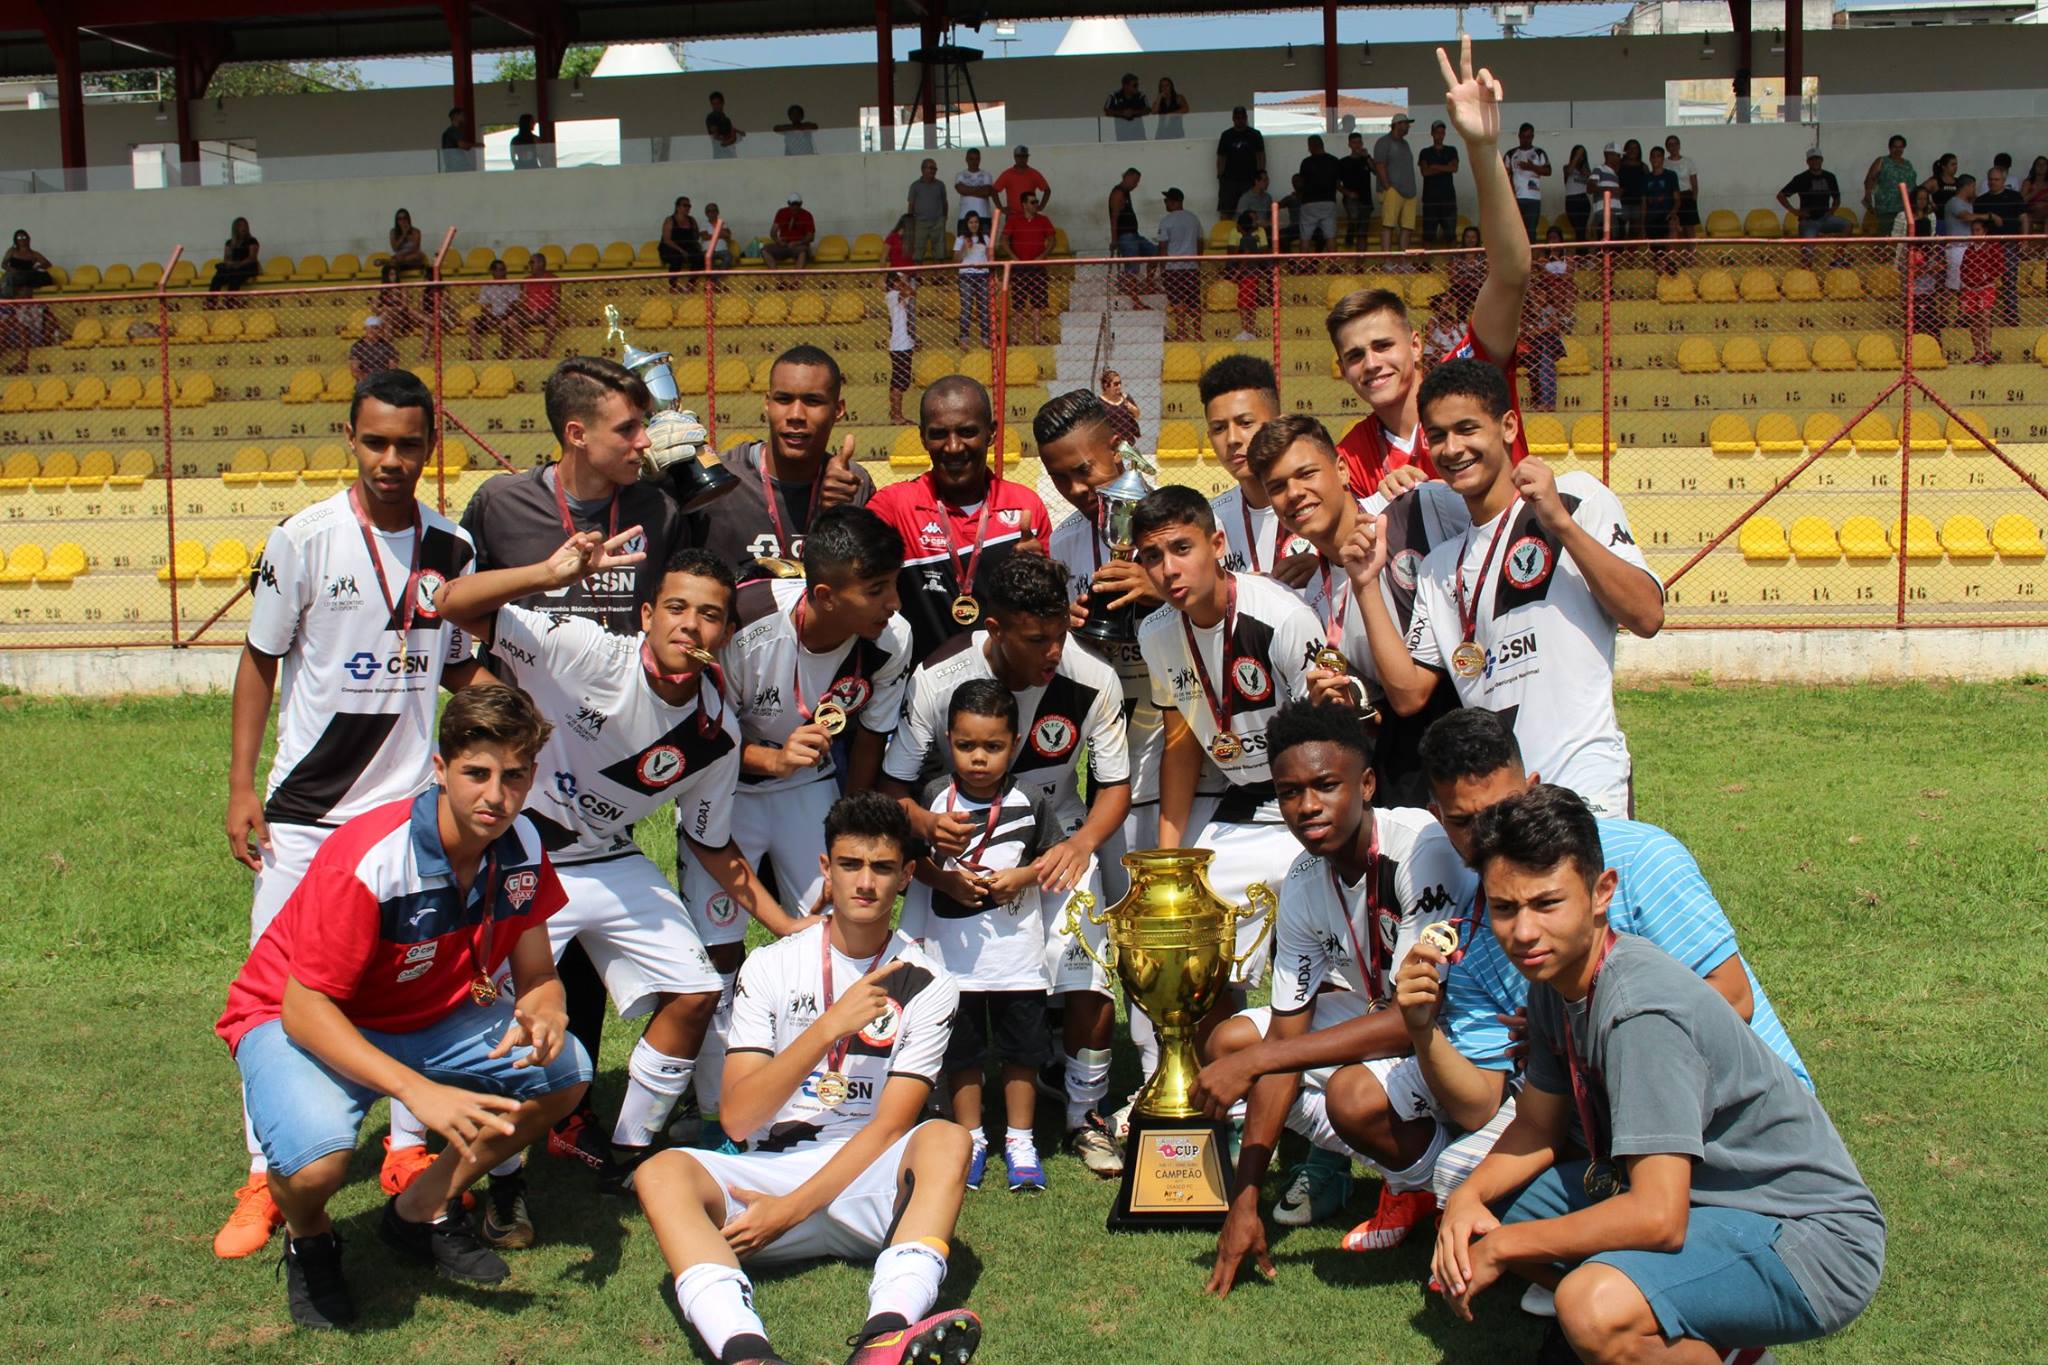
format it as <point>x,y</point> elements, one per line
<point>681,454</point>
<point>1116,502</point>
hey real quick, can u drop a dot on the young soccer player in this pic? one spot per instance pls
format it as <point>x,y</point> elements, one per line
<point>980,915</point>
<point>343,632</point>
<point>1717,1208</point>
<point>839,1034</point>
<point>382,975</point>
<point>1239,396</point>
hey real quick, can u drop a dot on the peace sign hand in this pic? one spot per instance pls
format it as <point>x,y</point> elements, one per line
<point>588,552</point>
<point>1472,101</point>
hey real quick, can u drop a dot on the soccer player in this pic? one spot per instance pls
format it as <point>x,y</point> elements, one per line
<point>1239,396</point>
<point>959,520</point>
<point>382,975</point>
<point>635,726</point>
<point>839,1034</point>
<point>1350,908</point>
<point>798,463</point>
<point>1717,1208</point>
<point>1521,611</point>
<point>1066,699</point>
<point>343,633</point>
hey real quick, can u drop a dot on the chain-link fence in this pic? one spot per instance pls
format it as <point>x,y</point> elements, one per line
<point>1805,432</point>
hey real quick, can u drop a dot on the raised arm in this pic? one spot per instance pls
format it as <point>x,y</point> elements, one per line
<point>1472,101</point>
<point>471,601</point>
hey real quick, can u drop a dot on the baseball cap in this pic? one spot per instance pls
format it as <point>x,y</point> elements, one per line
<point>1236,109</point>
<point>796,199</point>
<point>1173,193</point>
<point>1403,117</point>
<point>1614,147</point>
<point>1021,151</point>
<point>1813,154</point>
<point>1436,125</point>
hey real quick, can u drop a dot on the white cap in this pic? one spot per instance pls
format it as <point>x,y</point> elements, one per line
<point>796,199</point>
<point>1812,153</point>
<point>1614,147</point>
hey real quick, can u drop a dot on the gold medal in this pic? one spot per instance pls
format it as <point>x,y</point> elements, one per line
<point>702,656</point>
<point>1331,660</point>
<point>830,717</point>
<point>776,567</point>
<point>832,1089</point>
<point>483,990</point>
<point>1442,936</point>
<point>1226,746</point>
<point>1602,1181</point>
<point>1468,660</point>
<point>966,610</point>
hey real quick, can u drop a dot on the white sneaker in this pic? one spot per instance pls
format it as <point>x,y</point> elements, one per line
<point>1539,1302</point>
<point>1120,1122</point>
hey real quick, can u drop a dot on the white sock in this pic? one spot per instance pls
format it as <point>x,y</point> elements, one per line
<point>1147,1039</point>
<point>906,1281</point>
<point>980,1136</point>
<point>258,1164</point>
<point>1087,1083</point>
<point>406,1128</point>
<point>711,1056</point>
<point>718,1300</point>
<point>654,1082</point>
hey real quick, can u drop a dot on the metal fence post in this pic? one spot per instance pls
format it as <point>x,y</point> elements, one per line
<point>1906,427</point>
<point>440,421</point>
<point>163,370</point>
<point>1607,337</point>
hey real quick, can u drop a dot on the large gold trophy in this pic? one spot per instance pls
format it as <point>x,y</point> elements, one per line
<point>1172,941</point>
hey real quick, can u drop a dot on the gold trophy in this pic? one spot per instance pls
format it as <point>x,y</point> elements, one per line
<point>686,466</point>
<point>1172,941</point>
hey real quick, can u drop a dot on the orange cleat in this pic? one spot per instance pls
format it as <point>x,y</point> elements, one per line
<point>402,1166</point>
<point>248,1228</point>
<point>1390,1224</point>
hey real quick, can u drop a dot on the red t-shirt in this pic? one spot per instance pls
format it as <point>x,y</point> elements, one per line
<point>793,224</point>
<point>928,582</point>
<point>1030,238</point>
<point>378,926</point>
<point>1016,182</point>
<point>1368,454</point>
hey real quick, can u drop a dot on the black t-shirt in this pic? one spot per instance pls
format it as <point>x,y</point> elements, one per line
<point>737,527</point>
<point>1438,189</point>
<point>1354,173</point>
<point>1319,175</point>
<point>1660,193</point>
<point>1817,191</point>
<point>2008,205</point>
<point>1240,149</point>
<point>1632,178</point>
<point>451,138</point>
<point>718,125</point>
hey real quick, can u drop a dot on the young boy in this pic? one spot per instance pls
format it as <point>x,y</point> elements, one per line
<point>900,294</point>
<point>981,916</point>
<point>1239,396</point>
<point>839,1034</point>
<point>383,969</point>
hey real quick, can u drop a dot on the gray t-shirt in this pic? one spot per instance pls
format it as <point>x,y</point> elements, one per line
<point>737,527</point>
<point>1399,158</point>
<point>1258,203</point>
<point>514,521</point>
<point>1181,230</point>
<point>1954,223</point>
<point>1677,1071</point>
<point>927,200</point>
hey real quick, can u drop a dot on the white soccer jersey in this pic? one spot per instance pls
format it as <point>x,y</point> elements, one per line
<point>1271,652</point>
<point>1082,703</point>
<point>618,751</point>
<point>1077,544</point>
<point>768,672</point>
<point>1267,542</point>
<point>1549,670</point>
<point>781,993</point>
<point>1323,924</point>
<point>356,698</point>
<point>988,947</point>
<point>1427,515</point>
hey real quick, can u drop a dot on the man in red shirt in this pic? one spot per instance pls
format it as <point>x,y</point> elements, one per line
<point>792,235</point>
<point>542,303</point>
<point>1012,185</point>
<point>388,965</point>
<point>1028,237</point>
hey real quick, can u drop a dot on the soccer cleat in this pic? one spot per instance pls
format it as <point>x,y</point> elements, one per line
<point>506,1221</point>
<point>942,1339</point>
<point>686,1123</point>
<point>977,1166</point>
<point>1317,1188</point>
<point>451,1246</point>
<point>1091,1143</point>
<point>616,1179</point>
<point>1539,1302</point>
<point>1027,1173</point>
<point>1392,1221</point>
<point>580,1137</point>
<point>402,1166</point>
<point>248,1228</point>
<point>1120,1122</point>
<point>314,1285</point>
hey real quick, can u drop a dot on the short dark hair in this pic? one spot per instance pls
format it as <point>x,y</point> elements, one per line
<point>983,697</point>
<point>1062,415</point>
<point>717,95</point>
<point>1466,743</point>
<point>809,355</point>
<point>850,542</point>
<point>1363,303</point>
<point>456,112</point>
<point>1027,585</point>
<point>1465,378</point>
<point>1542,827</point>
<point>1172,504</point>
<point>1321,722</point>
<point>394,389</point>
<point>580,383</point>
<point>869,815</point>
<point>952,384</point>
<point>1235,372</point>
<point>694,561</point>
<point>491,714</point>
<point>1274,439</point>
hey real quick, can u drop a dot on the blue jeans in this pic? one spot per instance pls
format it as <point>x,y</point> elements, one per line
<point>1829,226</point>
<point>974,306</point>
<point>1133,245</point>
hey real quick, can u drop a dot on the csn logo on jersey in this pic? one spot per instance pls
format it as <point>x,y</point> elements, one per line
<point>1522,646</point>
<point>363,665</point>
<point>1528,562</point>
<point>660,765</point>
<point>1054,736</point>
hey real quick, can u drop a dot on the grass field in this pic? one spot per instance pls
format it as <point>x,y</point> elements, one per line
<point>1882,851</point>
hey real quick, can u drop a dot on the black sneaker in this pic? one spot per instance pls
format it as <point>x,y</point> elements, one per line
<point>616,1178</point>
<point>1052,1077</point>
<point>1555,1348</point>
<point>506,1221</point>
<point>314,1284</point>
<point>581,1137</point>
<point>687,1122</point>
<point>450,1246</point>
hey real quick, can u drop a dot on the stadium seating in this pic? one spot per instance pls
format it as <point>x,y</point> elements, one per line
<point>1762,540</point>
<point>1812,540</point>
<point>2015,537</point>
<point>1964,537</point>
<point>188,557</point>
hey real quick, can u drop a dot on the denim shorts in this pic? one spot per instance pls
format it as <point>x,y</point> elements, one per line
<point>302,1110</point>
<point>1727,1287</point>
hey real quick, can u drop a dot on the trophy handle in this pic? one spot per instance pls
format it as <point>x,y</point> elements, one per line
<point>1260,901</point>
<point>1079,903</point>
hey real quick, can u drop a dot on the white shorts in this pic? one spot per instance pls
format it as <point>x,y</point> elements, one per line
<point>284,863</point>
<point>787,828</point>
<point>1328,1009</point>
<point>633,925</point>
<point>853,1227</point>
<point>1245,854</point>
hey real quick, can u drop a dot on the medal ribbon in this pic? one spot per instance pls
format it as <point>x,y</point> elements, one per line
<point>1370,969</point>
<point>1582,1095</point>
<point>995,809</point>
<point>412,571</point>
<point>797,615</point>
<point>835,1056</point>
<point>1333,631</point>
<point>1468,617</point>
<point>773,499</point>
<point>481,947</point>
<point>1218,699</point>
<point>1251,537</point>
<point>964,578</point>
<point>705,722</point>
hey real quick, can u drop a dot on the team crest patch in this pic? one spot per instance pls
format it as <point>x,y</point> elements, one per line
<point>635,545</point>
<point>1251,679</point>
<point>1299,546</point>
<point>721,910</point>
<point>882,1032</point>
<point>1528,562</point>
<point>520,887</point>
<point>661,765</point>
<point>1054,736</point>
<point>1405,567</point>
<point>423,595</point>
<point>1011,516</point>
<point>851,692</point>
<point>1389,927</point>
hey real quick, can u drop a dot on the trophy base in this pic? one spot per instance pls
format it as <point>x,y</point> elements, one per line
<point>1107,627</point>
<point>693,486</point>
<point>1176,1175</point>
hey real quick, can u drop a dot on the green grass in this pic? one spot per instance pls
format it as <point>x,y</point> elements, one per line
<point>1882,851</point>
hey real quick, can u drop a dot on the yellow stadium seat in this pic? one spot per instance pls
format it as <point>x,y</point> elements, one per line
<point>2033,277</point>
<point>91,391</point>
<point>907,450</point>
<point>733,374</point>
<point>454,459</point>
<point>1959,437</point>
<point>1338,288</point>
<point>867,249</point>
<point>647,256</point>
<point>1743,356</point>
<point>19,468</point>
<point>1696,356</point>
<point>1831,352</point>
<point>1873,434</point>
<point>581,260</point>
<point>1778,434</point>
<point>1802,286</point>
<point>225,562</point>
<point>247,466</point>
<point>844,306</point>
<point>806,308</point>
<point>1180,441</point>
<point>188,557</point>
<point>1717,286</point>
<point>554,256</point>
<point>1964,537</point>
<point>305,387</point>
<point>1843,285</point>
<point>689,312</point>
<point>195,392</point>
<point>931,366</point>
<point>148,275</point>
<point>1222,236</point>
<point>67,561</point>
<point>58,471</point>
<point>135,467</point>
<point>732,310</point>
<point>1677,288</point>
<point>18,396</point>
<point>340,385</point>
<point>976,365</point>
<point>1821,427</point>
<point>1545,435</point>
<point>309,270</point>
<point>94,470</point>
<point>51,395</point>
<point>185,275</point>
<point>123,332</point>
<point>832,250</point>
<point>1022,368</point>
<point>457,381</point>
<point>476,261</point>
<point>495,381</point>
<point>514,257</point>
<point>276,270</point>
<point>1812,539</point>
<point>260,325</point>
<point>1759,286</point>
<point>1864,538</point>
<point>152,395</point>
<point>1586,435</point>
<point>654,314</point>
<point>226,326</point>
<point>1881,282</point>
<point>189,330</point>
<point>1875,351</point>
<point>1762,540</point>
<point>692,374</point>
<point>1424,290</point>
<point>1925,431</point>
<point>1575,360</point>
<point>87,333</point>
<point>83,279</point>
<point>1723,223</point>
<point>1921,541</point>
<point>1927,352</point>
<point>24,562</point>
<point>1787,354</point>
<point>342,268</point>
<point>1729,434</point>
<point>769,310</point>
<point>1763,223</point>
<point>326,464</point>
<point>1182,363</point>
<point>1219,296</point>
<point>617,256</point>
<point>286,464</point>
<point>125,392</point>
<point>2015,536</point>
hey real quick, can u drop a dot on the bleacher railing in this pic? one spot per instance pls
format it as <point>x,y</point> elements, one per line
<point>1805,433</point>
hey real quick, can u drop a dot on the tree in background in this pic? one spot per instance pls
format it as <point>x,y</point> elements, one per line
<point>580,60</point>
<point>239,80</point>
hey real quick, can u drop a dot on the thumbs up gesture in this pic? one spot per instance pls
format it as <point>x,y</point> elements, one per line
<point>841,483</point>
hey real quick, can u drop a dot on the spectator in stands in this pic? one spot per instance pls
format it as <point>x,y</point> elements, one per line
<point>974,186</point>
<point>1123,409</point>
<point>1028,236</point>
<point>1553,299</point>
<point>1124,238</point>
<point>456,143</point>
<point>1393,161</point>
<point>1258,200</point>
<point>394,303</point>
<point>1438,165</point>
<point>1354,192</point>
<point>1931,199</point>
<point>1320,175</point>
<point>1887,183</point>
<point>899,292</point>
<point>972,250</point>
<point>796,133</point>
<point>1468,272</point>
<point>927,206</point>
<point>525,146</point>
<point>1688,172</point>
<point>1254,279</point>
<point>1632,171</point>
<point>1528,168</point>
<point>897,243</point>
<point>1610,214</point>
<point>1180,242</point>
<point>2034,189</point>
<point>1977,298</point>
<point>1012,185</point>
<point>24,269</point>
<point>1958,215</point>
<point>2004,212</point>
<point>1126,108</point>
<point>679,247</point>
<point>1819,195</point>
<point>20,327</point>
<point>499,301</point>
<point>718,126</point>
<point>540,304</point>
<point>1660,200</point>
<point>1290,214</point>
<point>373,352</point>
<point>1578,203</point>
<point>1170,105</point>
<point>407,250</point>
<point>1240,159</point>
<point>792,236</point>
<point>718,254</point>
<point>240,261</point>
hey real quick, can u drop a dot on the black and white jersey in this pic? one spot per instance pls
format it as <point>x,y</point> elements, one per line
<point>781,993</point>
<point>766,669</point>
<point>1083,704</point>
<point>988,947</point>
<point>355,693</point>
<point>1549,669</point>
<point>1271,652</point>
<point>618,750</point>
<point>1077,543</point>
<point>1323,924</point>
<point>1254,539</point>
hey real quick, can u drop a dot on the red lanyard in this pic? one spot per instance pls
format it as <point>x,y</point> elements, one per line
<point>705,723</point>
<point>410,598</point>
<point>995,809</point>
<point>773,498</point>
<point>1370,968</point>
<point>836,1057</point>
<point>1468,616</point>
<point>1218,698</point>
<point>1251,537</point>
<point>483,947</point>
<point>568,521</point>
<point>796,672</point>
<point>964,578</point>
<point>1333,630</point>
<point>1581,1092</point>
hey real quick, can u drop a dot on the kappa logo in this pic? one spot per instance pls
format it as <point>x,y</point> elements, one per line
<point>1405,567</point>
<point>850,692</point>
<point>660,765</point>
<point>520,887</point>
<point>1433,899</point>
<point>1054,736</point>
<point>266,574</point>
<point>1528,562</point>
<point>423,598</point>
<point>1250,678</point>
<point>721,910</point>
<point>558,619</point>
<point>882,1032</point>
<point>1619,536</point>
<point>1234,563</point>
<point>587,721</point>
<point>930,528</point>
